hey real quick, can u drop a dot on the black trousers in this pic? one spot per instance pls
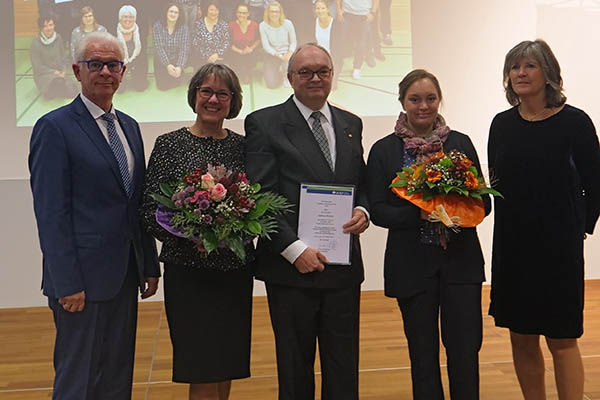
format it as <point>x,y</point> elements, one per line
<point>94,348</point>
<point>459,309</point>
<point>300,317</point>
<point>356,31</point>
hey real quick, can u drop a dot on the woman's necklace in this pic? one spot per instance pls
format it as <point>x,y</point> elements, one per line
<point>535,117</point>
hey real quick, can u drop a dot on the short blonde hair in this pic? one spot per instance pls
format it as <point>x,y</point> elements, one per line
<point>274,3</point>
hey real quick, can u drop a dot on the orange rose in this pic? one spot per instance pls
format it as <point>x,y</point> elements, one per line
<point>417,171</point>
<point>470,181</point>
<point>437,156</point>
<point>433,176</point>
<point>466,163</point>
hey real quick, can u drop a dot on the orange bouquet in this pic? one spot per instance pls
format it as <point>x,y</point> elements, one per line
<point>447,186</point>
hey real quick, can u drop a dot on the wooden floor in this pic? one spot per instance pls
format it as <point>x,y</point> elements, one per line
<point>27,334</point>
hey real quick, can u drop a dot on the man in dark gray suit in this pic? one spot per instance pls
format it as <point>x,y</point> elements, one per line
<point>310,299</point>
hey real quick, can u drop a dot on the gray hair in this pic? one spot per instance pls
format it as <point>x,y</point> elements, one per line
<point>224,73</point>
<point>312,44</point>
<point>98,37</point>
<point>543,55</point>
<point>127,10</point>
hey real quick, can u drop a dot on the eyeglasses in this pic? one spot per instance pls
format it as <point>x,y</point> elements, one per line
<point>207,93</point>
<point>307,74</point>
<point>97,65</point>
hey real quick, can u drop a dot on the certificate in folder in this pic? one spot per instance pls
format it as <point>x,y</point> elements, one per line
<point>323,211</point>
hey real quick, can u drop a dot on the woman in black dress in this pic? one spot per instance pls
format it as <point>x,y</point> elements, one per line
<point>545,158</point>
<point>428,281</point>
<point>208,299</point>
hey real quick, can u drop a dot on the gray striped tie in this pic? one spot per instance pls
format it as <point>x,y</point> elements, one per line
<point>118,150</point>
<point>319,133</point>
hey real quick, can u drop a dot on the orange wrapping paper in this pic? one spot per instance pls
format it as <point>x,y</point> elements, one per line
<point>470,210</point>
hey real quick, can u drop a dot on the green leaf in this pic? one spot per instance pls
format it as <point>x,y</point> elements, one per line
<point>446,162</point>
<point>476,195</point>
<point>236,245</point>
<point>164,200</point>
<point>167,189</point>
<point>474,171</point>
<point>488,190</point>
<point>260,207</point>
<point>447,188</point>
<point>209,240</point>
<point>430,184</point>
<point>255,227</point>
<point>255,187</point>
<point>462,191</point>
<point>408,170</point>
<point>398,183</point>
<point>428,196</point>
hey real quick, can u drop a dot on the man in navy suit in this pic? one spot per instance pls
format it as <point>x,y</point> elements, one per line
<point>305,139</point>
<point>87,167</point>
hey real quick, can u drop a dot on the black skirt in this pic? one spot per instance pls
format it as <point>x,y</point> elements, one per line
<point>209,315</point>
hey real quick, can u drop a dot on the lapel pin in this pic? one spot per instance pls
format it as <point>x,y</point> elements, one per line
<point>349,135</point>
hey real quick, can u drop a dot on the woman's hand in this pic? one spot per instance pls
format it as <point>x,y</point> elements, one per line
<point>171,70</point>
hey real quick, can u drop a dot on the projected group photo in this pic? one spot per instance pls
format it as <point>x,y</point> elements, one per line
<point>165,42</point>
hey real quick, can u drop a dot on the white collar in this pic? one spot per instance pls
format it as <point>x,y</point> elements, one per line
<point>306,112</point>
<point>94,109</point>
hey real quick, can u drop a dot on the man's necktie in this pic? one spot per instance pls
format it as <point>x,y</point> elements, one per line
<point>119,151</point>
<point>319,133</point>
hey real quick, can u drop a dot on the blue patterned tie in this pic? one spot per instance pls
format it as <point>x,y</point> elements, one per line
<point>319,133</point>
<point>119,151</point>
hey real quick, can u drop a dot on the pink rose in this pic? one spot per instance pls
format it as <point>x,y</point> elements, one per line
<point>218,192</point>
<point>208,182</point>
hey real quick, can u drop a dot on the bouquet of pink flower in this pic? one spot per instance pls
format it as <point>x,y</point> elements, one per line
<point>218,208</point>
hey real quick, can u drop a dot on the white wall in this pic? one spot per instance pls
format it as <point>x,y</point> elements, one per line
<point>463,42</point>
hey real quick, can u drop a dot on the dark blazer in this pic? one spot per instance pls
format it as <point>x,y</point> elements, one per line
<point>408,262</point>
<point>87,224</point>
<point>281,153</point>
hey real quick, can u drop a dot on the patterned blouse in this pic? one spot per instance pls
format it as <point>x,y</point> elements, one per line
<point>78,34</point>
<point>173,48</point>
<point>206,43</point>
<point>175,154</point>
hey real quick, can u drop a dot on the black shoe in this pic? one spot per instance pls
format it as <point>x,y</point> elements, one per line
<point>370,61</point>
<point>379,55</point>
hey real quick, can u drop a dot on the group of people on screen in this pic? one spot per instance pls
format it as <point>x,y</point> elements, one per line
<point>250,36</point>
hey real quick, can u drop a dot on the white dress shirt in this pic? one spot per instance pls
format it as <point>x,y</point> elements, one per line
<point>97,113</point>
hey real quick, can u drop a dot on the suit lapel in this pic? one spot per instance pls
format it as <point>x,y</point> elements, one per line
<point>300,135</point>
<point>343,145</point>
<point>91,129</point>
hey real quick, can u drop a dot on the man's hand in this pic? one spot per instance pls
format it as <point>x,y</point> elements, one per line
<point>310,260</point>
<point>74,302</point>
<point>357,224</point>
<point>151,287</point>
